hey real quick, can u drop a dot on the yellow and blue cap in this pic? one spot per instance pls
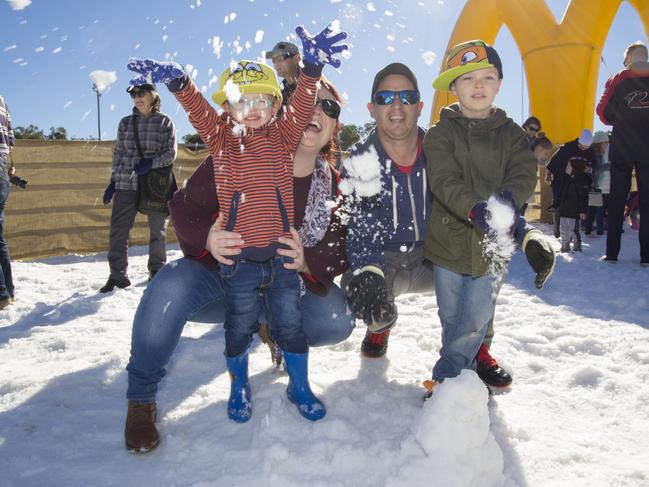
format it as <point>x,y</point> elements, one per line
<point>250,77</point>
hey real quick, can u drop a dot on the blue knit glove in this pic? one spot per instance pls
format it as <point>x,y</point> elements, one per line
<point>480,214</point>
<point>110,191</point>
<point>152,71</point>
<point>144,166</point>
<point>319,49</point>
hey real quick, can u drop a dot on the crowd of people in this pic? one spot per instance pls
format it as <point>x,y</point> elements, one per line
<point>269,219</point>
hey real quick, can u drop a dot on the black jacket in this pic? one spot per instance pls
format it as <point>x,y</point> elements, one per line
<point>573,198</point>
<point>625,105</point>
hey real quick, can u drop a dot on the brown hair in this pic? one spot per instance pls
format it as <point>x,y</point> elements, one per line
<point>155,105</point>
<point>331,150</point>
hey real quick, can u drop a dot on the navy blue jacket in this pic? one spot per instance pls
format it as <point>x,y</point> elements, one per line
<point>393,220</point>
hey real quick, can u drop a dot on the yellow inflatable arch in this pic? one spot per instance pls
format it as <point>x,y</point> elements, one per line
<point>561,60</point>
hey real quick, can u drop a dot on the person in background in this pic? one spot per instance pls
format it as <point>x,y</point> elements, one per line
<point>624,106</point>
<point>7,142</point>
<point>556,168</point>
<point>601,182</point>
<point>532,127</point>
<point>573,201</point>
<point>286,60</point>
<point>157,139</point>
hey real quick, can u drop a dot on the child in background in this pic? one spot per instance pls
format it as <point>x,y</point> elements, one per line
<point>601,183</point>
<point>253,169</point>
<point>573,201</point>
<point>474,152</point>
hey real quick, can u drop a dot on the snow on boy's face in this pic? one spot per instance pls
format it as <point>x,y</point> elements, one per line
<point>253,110</point>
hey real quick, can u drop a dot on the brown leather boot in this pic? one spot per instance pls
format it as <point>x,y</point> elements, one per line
<point>140,433</point>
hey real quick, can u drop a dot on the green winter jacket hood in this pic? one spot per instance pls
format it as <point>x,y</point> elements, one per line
<point>468,160</point>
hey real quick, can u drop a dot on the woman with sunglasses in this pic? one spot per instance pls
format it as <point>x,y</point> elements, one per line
<point>145,140</point>
<point>532,127</point>
<point>193,288</point>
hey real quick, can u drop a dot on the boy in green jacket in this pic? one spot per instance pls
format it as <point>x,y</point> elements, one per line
<point>474,152</point>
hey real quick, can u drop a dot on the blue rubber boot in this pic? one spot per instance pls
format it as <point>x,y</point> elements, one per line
<point>298,390</point>
<point>239,404</point>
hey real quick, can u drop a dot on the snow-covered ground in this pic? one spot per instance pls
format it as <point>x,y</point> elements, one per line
<point>576,415</point>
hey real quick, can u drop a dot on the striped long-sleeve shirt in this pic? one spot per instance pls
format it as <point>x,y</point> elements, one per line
<point>7,140</point>
<point>253,172</point>
<point>158,141</point>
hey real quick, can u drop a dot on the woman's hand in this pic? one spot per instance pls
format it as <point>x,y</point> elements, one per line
<point>295,251</point>
<point>221,242</point>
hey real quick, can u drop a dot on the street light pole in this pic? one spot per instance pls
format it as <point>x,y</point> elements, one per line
<point>96,90</point>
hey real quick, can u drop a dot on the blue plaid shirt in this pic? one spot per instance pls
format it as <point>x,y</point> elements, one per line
<point>7,139</point>
<point>158,141</point>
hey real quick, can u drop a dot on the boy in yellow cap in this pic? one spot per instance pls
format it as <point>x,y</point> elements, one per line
<point>253,170</point>
<point>474,152</point>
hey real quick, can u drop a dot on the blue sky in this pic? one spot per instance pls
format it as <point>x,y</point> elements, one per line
<point>48,49</point>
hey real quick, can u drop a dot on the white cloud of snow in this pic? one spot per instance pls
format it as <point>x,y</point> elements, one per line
<point>19,4</point>
<point>428,57</point>
<point>102,79</point>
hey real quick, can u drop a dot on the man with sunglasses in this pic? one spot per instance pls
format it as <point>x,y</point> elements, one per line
<point>286,61</point>
<point>386,231</point>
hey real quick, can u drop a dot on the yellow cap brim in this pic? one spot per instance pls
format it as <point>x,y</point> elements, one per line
<point>220,97</point>
<point>444,80</point>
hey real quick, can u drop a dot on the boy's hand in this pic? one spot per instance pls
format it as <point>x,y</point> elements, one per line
<point>319,49</point>
<point>152,71</point>
<point>367,297</point>
<point>540,255</point>
<point>480,214</point>
<point>569,168</point>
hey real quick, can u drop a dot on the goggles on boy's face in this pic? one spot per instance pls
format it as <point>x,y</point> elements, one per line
<point>386,97</point>
<point>260,102</point>
<point>331,108</point>
<point>137,93</point>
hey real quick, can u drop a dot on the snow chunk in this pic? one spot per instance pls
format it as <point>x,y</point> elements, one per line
<point>232,92</point>
<point>370,7</point>
<point>102,79</point>
<point>428,57</point>
<point>364,172</point>
<point>259,36</point>
<point>9,48</point>
<point>499,246</point>
<point>19,4</point>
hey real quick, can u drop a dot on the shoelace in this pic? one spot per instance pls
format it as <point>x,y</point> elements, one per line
<point>485,358</point>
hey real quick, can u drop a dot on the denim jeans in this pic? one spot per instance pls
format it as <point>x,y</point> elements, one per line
<point>466,304</point>
<point>6,281</point>
<point>247,285</point>
<point>185,290</point>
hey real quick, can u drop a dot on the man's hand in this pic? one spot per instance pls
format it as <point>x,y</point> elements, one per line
<point>368,299</point>
<point>144,166</point>
<point>540,255</point>
<point>221,242</point>
<point>108,194</point>
<point>319,49</point>
<point>152,71</point>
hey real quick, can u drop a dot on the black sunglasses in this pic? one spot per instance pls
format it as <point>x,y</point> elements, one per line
<point>135,93</point>
<point>385,97</point>
<point>331,108</point>
<point>533,129</point>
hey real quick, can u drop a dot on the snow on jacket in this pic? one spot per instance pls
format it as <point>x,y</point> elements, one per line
<point>625,105</point>
<point>392,220</point>
<point>157,139</point>
<point>194,208</point>
<point>468,161</point>
<point>7,139</point>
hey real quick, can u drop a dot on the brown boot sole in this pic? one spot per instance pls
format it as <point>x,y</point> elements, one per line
<point>142,449</point>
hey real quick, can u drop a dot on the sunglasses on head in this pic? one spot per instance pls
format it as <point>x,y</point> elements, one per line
<point>331,108</point>
<point>136,93</point>
<point>386,97</point>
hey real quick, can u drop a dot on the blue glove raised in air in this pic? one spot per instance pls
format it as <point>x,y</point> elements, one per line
<point>144,166</point>
<point>110,191</point>
<point>319,49</point>
<point>152,71</point>
<point>480,213</point>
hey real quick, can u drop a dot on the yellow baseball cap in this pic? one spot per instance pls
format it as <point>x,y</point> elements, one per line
<point>250,77</point>
<point>466,57</point>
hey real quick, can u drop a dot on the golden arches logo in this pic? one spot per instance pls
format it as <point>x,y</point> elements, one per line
<point>561,60</point>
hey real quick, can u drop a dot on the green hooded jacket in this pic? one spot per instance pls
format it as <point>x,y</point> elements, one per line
<point>468,160</point>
